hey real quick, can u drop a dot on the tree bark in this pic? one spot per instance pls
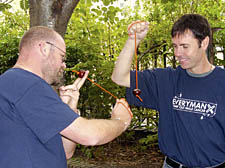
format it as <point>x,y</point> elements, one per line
<point>54,14</point>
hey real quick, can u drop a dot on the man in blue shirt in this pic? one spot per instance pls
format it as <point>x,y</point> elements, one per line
<point>190,98</point>
<point>38,128</point>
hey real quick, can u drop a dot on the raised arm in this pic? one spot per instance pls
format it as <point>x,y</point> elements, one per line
<point>121,72</point>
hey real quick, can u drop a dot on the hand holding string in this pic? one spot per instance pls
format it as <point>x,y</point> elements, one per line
<point>140,28</point>
<point>121,111</point>
<point>137,31</point>
<point>70,93</point>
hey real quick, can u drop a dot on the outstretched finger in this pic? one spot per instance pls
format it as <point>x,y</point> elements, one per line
<point>80,81</point>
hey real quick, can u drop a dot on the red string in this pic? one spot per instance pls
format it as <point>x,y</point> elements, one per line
<point>135,44</point>
<point>128,109</point>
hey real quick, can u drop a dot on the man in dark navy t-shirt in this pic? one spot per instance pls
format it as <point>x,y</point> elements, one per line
<point>38,128</point>
<point>190,98</point>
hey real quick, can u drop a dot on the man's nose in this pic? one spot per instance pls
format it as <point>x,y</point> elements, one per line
<point>178,51</point>
<point>64,65</point>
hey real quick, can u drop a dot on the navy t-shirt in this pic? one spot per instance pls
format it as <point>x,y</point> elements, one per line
<point>191,113</point>
<point>31,117</point>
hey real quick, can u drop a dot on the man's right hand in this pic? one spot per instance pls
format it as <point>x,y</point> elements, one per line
<point>138,27</point>
<point>70,93</point>
<point>122,111</point>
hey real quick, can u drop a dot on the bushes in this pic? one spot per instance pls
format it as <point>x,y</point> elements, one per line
<point>12,27</point>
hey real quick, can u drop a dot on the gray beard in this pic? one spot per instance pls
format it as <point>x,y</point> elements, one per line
<point>57,83</point>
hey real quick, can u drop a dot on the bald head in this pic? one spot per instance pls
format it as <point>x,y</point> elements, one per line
<point>37,33</point>
<point>44,48</point>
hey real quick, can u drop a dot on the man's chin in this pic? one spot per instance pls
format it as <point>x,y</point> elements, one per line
<point>184,66</point>
<point>58,83</point>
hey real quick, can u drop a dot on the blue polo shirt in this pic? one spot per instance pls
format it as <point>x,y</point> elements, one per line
<point>31,117</point>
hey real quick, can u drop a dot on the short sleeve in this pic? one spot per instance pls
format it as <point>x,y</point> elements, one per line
<point>43,111</point>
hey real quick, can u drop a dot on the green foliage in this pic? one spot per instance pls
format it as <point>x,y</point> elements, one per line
<point>96,46</point>
<point>24,5</point>
<point>91,151</point>
<point>146,143</point>
<point>88,151</point>
<point>5,5</point>
<point>11,30</point>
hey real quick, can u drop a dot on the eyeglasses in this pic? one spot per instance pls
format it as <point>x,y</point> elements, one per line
<point>55,47</point>
<point>63,56</point>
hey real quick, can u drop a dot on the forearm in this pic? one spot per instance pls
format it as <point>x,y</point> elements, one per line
<point>69,147</point>
<point>94,131</point>
<point>100,131</point>
<point>121,72</point>
<point>107,130</point>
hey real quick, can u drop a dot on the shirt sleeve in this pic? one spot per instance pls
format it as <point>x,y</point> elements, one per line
<point>44,112</point>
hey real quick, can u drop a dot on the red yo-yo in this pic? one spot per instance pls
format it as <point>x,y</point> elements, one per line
<point>136,92</point>
<point>81,73</point>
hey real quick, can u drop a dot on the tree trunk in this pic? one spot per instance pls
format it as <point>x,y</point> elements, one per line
<point>54,14</point>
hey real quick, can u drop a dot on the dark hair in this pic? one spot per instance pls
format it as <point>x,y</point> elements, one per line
<point>196,23</point>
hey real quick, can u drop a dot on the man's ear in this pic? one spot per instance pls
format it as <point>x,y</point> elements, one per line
<point>205,43</point>
<point>44,49</point>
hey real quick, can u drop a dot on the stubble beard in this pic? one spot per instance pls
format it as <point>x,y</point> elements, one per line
<point>59,79</point>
